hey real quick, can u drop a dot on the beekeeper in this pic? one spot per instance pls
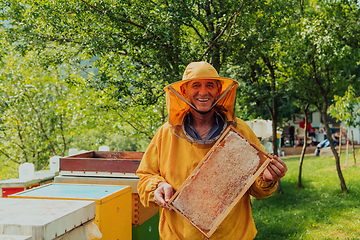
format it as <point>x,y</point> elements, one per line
<point>200,107</point>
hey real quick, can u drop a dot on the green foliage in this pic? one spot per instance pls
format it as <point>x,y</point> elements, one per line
<point>144,119</point>
<point>157,38</point>
<point>319,62</point>
<point>317,211</point>
<point>347,108</point>
<point>40,112</point>
<point>93,139</point>
<point>8,169</point>
<point>139,47</point>
<point>256,60</point>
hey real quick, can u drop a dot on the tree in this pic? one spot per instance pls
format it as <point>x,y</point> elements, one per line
<point>141,46</point>
<point>347,110</point>
<point>319,63</point>
<point>303,151</point>
<point>257,61</point>
<point>40,113</point>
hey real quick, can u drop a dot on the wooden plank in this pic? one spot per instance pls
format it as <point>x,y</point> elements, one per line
<point>83,179</point>
<point>99,165</point>
<point>89,154</point>
<point>102,161</point>
<point>135,209</point>
<point>118,155</point>
<point>224,167</point>
<point>108,155</point>
<point>141,214</point>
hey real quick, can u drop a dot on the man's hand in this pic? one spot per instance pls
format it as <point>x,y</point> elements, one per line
<point>275,170</point>
<point>162,194</point>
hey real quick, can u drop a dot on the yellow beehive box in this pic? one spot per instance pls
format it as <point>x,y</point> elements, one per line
<point>140,214</point>
<point>113,204</point>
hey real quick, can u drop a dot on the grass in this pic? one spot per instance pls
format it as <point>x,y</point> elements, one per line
<point>318,211</point>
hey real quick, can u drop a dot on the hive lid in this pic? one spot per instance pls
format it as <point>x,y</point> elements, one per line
<point>69,191</point>
<point>15,237</point>
<point>39,176</point>
<point>43,218</point>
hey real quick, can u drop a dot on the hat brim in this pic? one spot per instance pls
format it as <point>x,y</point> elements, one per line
<point>225,83</point>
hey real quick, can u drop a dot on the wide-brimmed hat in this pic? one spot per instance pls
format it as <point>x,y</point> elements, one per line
<point>178,106</point>
<point>201,70</point>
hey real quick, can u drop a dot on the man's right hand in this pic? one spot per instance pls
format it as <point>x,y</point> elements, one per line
<point>162,194</point>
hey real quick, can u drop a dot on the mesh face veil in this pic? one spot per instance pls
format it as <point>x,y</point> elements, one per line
<point>178,105</point>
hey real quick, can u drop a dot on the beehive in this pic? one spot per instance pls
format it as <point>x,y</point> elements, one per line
<point>113,204</point>
<point>219,181</point>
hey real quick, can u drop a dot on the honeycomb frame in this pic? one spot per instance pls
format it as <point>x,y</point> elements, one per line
<point>219,204</point>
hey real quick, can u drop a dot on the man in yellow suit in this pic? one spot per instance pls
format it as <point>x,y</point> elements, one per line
<point>200,107</point>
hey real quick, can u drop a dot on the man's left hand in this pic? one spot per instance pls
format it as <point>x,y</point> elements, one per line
<point>275,170</point>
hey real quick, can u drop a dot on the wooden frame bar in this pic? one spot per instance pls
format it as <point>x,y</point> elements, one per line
<point>264,160</point>
<point>102,161</point>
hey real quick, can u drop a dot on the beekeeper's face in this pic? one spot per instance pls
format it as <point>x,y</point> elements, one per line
<point>202,93</point>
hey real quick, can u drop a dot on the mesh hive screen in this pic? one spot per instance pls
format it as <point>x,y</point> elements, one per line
<point>217,182</point>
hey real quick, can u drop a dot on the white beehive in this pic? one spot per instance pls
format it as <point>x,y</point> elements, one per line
<point>43,218</point>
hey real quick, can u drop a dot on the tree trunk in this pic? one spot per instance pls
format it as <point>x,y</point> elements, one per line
<point>274,132</point>
<point>300,185</point>
<point>275,147</point>
<point>274,118</point>
<point>274,135</point>
<point>332,146</point>
<point>274,140</point>
<point>340,143</point>
<point>347,146</point>
<point>279,188</point>
<point>273,112</point>
<point>353,148</point>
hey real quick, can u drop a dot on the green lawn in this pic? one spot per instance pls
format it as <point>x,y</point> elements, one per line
<point>320,210</point>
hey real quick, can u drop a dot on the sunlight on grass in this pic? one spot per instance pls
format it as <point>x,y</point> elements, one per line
<point>318,211</point>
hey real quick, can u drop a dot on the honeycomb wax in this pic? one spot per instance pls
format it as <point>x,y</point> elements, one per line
<point>215,185</point>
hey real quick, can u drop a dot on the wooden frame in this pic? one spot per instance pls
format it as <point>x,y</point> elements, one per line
<point>141,214</point>
<point>102,161</point>
<point>263,160</point>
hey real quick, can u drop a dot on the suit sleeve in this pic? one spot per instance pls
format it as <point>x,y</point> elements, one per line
<point>149,174</point>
